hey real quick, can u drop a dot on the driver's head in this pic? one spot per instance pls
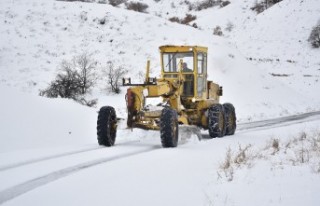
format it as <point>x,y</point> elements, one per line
<point>184,65</point>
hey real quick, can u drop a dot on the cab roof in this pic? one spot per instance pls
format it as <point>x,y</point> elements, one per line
<point>176,48</point>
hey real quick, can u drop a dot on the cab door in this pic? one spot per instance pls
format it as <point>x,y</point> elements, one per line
<point>201,74</point>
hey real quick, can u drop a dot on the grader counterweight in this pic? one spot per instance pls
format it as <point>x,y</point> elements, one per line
<point>188,98</point>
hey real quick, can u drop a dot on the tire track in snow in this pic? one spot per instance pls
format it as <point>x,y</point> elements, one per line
<point>50,157</point>
<point>27,186</point>
<point>36,160</point>
<point>279,122</point>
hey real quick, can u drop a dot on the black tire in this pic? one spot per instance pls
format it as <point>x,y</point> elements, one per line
<point>216,121</point>
<point>231,118</point>
<point>107,126</point>
<point>169,128</point>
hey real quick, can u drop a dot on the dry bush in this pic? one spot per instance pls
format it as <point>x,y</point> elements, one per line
<point>227,162</point>
<point>207,4</point>
<point>186,20</point>
<point>275,145</point>
<point>229,26</point>
<point>226,166</point>
<point>66,85</point>
<point>235,160</point>
<point>174,19</point>
<point>217,31</point>
<point>263,5</point>
<point>75,79</point>
<point>224,3</point>
<point>314,37</point>
<point>189,18</point>
<point>137,6</point>
<point>303,149</point>
<point>242,155</point>
<point>116,2</point>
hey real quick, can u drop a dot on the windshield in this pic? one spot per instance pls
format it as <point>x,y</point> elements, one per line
<point>171,62</point>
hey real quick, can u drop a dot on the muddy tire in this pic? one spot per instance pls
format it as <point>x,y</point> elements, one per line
<point>231,118</point>
<point>107,126</point>
<point>216,121</point>
<point>169,128</point>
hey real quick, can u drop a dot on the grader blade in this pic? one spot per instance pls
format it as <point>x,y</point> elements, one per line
<point>189,132</point>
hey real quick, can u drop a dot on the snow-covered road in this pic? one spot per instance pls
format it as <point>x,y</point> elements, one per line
<point>182,174</point>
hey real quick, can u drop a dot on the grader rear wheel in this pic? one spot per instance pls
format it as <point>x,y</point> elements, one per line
<point>216,121</point>
<point>231,118</point>
<point>107,126</point>
<point>169,129</point>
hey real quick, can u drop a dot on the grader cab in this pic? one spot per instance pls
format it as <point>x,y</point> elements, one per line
<point>188,98</point>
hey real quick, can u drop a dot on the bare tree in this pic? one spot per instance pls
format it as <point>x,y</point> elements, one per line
<point>85,66</point>
<point>66,84</point>
<point>114,76</point>
<point>75,78</point>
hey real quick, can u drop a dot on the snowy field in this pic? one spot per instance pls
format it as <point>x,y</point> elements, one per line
<point>48,149</point>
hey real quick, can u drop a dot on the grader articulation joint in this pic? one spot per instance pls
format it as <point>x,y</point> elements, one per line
<point>188,98</point>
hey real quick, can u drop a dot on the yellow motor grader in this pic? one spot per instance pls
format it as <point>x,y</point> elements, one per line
<point>188,98</point>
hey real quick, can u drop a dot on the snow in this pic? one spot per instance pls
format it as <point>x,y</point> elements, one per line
<point>48,149</point>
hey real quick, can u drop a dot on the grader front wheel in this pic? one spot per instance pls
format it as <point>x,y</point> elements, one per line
<point>107,126</point>
<point>169,129</point>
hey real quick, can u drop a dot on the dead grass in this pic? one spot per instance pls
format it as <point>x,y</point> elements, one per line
<point>234,160</point>
<point>300,150</point>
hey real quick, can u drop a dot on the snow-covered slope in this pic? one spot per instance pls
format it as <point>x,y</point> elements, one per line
<point>37,35</point>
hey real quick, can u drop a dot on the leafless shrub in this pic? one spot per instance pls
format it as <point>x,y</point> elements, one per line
<point>75,78</point>
<point>263,5</point>
<point>137,6</point>
<point>235,160</point>
<point>227,162</point>
<point>224,3</point>
<point>114,76</point>
<point>102,1</point>
<point>226,166</point>
<point>229,26</point>
<point>116,2</point>
<point>217,31</point>
<point>314,37</point>
<point>189,18</point>
<point>174,19</point>
<point>83,16</point>
<point>66,85</point>
<point>85,66</point>
<point>207,4</point>
<point>242,156</point>
<point>275,145</point>
<point>186,20</point>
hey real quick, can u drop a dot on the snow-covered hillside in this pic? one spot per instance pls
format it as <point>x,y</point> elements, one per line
<point>48,149</point>
<point>37,35</point>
